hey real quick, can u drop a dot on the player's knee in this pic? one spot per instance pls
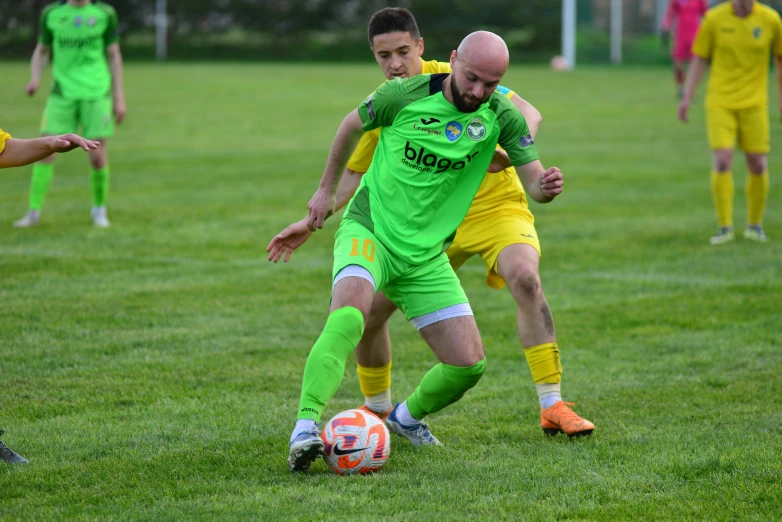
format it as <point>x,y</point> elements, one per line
<point>466,376</point>
<point>525,282</point>
<point>723,161</point>
<point>757,163</point>
<point>347,322</point>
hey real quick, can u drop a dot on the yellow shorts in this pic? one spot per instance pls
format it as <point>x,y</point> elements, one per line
<point>488,234</point>
<point>751,126</point>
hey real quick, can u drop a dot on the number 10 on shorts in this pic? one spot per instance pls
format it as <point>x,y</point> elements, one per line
<point>367,250</point>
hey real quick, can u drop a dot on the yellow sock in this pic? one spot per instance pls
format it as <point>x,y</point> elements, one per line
<point>722,193</point>
<point>374,381</point>
<point>544,363</point>
<point>757,194</point>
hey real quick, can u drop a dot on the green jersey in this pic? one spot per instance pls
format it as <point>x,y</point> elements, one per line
<point>78,37</point>
<point>429,163</point>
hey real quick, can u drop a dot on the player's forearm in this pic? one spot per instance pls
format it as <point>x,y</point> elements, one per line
<point>347,186</point>
<point>531,114</point>
<point>698,66</point>
<point>344,142</point>
<point>531,175</point>
<point>23,152</point>
<point>536,192</point>
<point>115,66</point>
<point>38,63</point>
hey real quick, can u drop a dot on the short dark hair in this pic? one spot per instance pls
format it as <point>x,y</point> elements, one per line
<point>392,20</point>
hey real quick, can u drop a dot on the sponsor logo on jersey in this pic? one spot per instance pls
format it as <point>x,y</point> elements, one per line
<point>476,130</point>
<point>423,161</point>
<point>453,130</point>
<point>91,21</point>
<point>429,121</point>
<point>526,141</point>
<point>78,20</point>
<point>756,32</point>
<point>77,43</point>
<point>436,132</point>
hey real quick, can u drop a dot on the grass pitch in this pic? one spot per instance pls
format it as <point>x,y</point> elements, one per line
<point>152,370</point>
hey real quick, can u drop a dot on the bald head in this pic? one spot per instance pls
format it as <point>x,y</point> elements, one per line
<point>485,50</point>
<point>478,66</point>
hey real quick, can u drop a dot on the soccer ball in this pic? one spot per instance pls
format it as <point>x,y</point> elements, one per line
<point>356,442</point>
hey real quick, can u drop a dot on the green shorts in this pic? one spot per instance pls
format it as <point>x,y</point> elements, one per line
<point>95,117</point>
<point>417,290</point>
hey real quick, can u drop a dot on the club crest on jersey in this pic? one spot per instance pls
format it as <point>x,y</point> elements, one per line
<point>453,130</point>
<point>77,21</point>
<point>91,21</point>
<point>756,32</point>
<point>475,130</point>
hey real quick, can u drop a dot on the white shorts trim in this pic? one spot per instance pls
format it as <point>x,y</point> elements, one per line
<point>354,271</point>
<point>458,310</point>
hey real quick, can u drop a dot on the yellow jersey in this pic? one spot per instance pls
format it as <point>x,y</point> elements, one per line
<point>3,136</point>
<point>497,188</point>
<point>739,50</point>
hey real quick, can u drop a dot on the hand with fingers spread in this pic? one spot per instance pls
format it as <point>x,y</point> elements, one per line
<point>291,238</point>
<point>552,182</point>
<point>68,142</point>
<point>320,207</point>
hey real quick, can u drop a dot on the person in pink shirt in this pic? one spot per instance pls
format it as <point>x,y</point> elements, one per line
<point>685,16</point>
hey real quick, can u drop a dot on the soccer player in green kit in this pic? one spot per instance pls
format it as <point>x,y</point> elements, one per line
<point>439,136</point>
<point>87,91</point>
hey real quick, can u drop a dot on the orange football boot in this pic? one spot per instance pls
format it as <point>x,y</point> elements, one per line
<point>561,419</point>
<point>382,416</point>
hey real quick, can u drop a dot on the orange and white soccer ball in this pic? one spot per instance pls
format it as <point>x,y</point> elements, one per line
<point>356,442</point>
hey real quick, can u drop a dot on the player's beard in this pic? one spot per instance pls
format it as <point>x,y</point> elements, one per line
<point>464,104</point>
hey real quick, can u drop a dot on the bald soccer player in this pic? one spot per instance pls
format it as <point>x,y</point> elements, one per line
<point>394,232</point>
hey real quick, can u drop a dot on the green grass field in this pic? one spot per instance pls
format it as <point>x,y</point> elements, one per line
<point>152,371</point>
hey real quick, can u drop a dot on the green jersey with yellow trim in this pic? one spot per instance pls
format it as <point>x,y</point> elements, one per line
<point>78,37</point>
<point>430,161</point>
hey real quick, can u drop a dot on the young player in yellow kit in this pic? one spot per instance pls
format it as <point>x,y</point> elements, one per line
<point>737,37</point>
<point>499,227</point>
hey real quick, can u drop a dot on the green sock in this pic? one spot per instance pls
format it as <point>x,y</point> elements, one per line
<point>39,185</point>
<point>326,362</point>
<point>99,180</point>
<point>443,385</point>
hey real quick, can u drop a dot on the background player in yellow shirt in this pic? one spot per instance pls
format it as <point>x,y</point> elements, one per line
<point>499,227</point>
<point>737,37</point>
<point>15,152</point>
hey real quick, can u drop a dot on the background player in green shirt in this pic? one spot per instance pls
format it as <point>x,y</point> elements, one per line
<point>393,235</point>
<point>83,38</point>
